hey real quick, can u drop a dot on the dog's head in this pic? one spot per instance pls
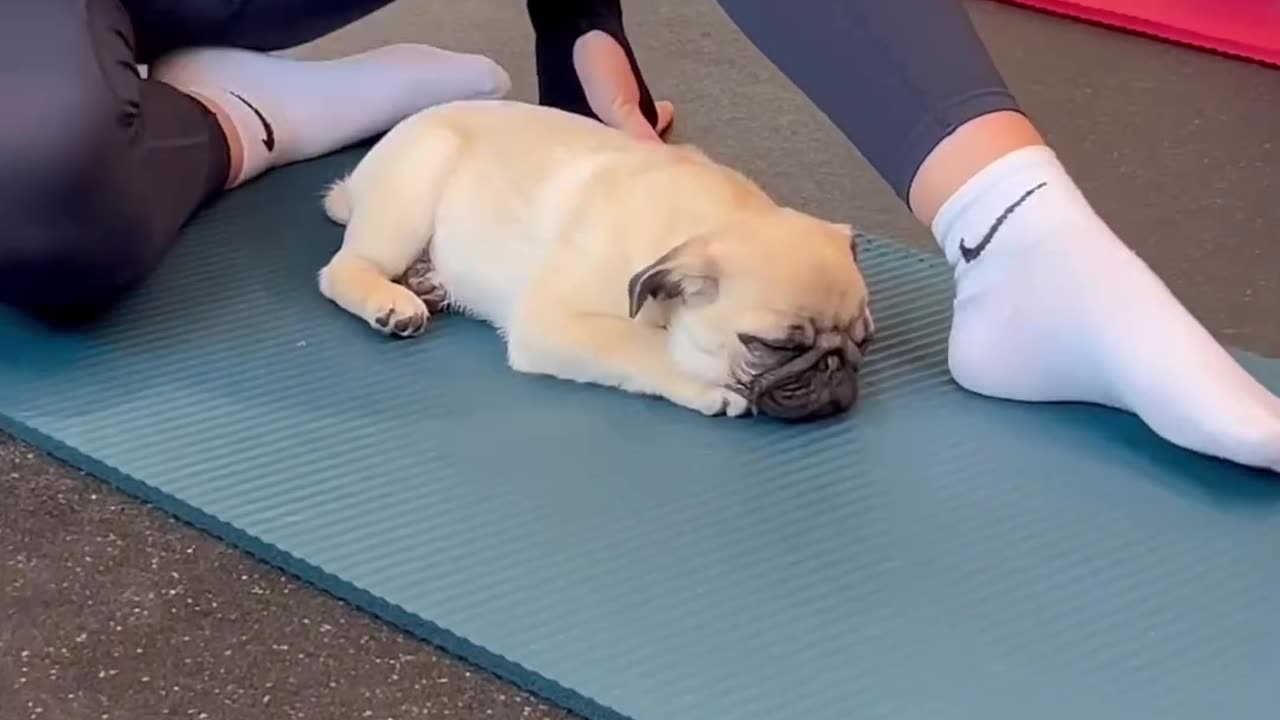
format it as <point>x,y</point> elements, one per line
<point>771,305</point>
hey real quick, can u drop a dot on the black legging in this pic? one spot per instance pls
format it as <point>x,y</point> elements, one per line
<point>99,169</point>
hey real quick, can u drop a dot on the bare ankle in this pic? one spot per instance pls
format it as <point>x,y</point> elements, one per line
<point>235,148</point>
<point>964,153</point>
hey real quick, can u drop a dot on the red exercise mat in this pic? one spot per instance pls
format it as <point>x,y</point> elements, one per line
<point>1243,28</point>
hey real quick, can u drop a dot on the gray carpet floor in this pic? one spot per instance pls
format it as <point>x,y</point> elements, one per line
<point>109,609</point>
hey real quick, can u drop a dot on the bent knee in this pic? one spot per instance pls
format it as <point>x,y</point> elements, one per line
<point>76,235</point>
<point>62,142</point>
<point>71,273</point>
<point>73,227</point>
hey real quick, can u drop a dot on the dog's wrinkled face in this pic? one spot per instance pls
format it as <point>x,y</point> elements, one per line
<point>773,307</point>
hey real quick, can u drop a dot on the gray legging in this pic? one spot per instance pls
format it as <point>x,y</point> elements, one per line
<point>99,169</point>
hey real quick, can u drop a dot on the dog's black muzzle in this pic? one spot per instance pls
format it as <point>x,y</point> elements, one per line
<point>804,384</point>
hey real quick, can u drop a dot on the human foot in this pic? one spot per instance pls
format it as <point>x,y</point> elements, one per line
<point>1052,306</point>
<point>612,88</point>
<point>284,110</point>
<point>586,66</point>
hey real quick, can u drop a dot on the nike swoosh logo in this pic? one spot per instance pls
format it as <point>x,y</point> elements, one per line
<point>270,140</point>
<point>972,253</point>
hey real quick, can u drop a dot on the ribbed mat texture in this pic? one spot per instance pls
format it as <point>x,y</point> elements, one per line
<point>932,555</point>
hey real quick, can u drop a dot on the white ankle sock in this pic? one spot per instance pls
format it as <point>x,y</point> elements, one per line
<point>286,110</point>
<point>1052,306</point>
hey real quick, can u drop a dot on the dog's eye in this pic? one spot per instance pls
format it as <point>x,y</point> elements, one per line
<point>757,344</point>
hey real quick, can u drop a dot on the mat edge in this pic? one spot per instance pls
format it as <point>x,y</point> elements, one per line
<point>420,627</point>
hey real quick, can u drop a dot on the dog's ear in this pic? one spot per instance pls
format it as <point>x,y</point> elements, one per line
<point>686,272</point>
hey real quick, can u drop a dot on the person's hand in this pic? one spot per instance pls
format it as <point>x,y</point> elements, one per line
<point>612,90</point>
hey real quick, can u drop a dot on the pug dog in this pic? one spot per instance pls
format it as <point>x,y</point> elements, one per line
<point>602,259</point>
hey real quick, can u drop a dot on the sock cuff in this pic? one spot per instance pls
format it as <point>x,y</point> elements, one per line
<point>256,136</point>
<point>1019,168</point>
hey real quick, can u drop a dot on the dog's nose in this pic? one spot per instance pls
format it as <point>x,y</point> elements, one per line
<point>828,388</point>
<point>835,364</point>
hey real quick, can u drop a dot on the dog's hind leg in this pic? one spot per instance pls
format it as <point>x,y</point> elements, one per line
<point>337,201</point>
<point>391,204</point>
<point>421,280</point>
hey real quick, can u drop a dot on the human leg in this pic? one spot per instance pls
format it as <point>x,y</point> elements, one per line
<point>265,25</point>
<point>101,167</point>
<point>283,110</point>
<point>1050,304</point>
<point>585,62</point>
<point>98,168</point>
<point>586,65</point>
<point>280,110</point>
<point>910,71</point>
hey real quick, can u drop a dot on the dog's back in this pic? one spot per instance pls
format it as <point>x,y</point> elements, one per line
<point>516,186</point>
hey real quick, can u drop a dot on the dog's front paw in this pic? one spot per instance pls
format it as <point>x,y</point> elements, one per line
<point>734,404</point>
<point>396,311</point>
<point>713,400</point>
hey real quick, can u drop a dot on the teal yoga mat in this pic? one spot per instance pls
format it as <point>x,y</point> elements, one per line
<point>933,555</point>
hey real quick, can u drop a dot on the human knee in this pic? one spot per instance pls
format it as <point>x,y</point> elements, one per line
<point>73,227</point>
<point>55,141</point>
<point>71,272</point>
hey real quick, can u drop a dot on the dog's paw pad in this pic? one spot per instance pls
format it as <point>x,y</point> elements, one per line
<point>400,314</point>
<point>403,326</point>
<point>734,404</point>
<point>432,295</point>
<point>420,279</point>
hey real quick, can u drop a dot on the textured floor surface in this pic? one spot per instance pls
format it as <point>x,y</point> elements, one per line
<point>109,608</point>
